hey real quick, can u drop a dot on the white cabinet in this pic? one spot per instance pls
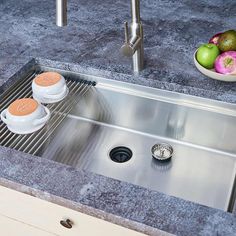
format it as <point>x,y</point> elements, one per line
<point>47,216</point>
<point>9,227</point>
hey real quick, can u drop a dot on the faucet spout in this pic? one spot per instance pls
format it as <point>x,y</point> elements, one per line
<point>61,12</point>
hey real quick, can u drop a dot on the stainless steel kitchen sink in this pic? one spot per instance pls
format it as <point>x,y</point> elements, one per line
<point>114,114</point>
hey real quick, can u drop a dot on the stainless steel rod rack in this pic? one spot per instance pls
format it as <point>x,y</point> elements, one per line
<point>32,143</point>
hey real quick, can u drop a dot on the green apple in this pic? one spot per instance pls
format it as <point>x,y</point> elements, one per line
<point>207,54</point>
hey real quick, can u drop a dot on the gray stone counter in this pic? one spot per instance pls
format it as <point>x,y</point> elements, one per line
<point>173,30</point>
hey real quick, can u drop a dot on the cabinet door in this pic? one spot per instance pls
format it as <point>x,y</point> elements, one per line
<point>10,227</point>
<point>47,216</point>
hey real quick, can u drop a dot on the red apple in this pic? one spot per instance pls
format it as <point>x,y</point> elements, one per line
<point>215,39</point>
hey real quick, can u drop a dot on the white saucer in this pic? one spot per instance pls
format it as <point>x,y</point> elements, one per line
<point>15,131</point>
<point>50,100</point>
<point>212,74</point>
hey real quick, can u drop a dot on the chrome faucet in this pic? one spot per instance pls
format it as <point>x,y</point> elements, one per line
<point>61,12</point>
<point>132,47</point>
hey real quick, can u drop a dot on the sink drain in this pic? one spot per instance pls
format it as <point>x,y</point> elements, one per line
<point>120,154</point>
<point>162,152</point>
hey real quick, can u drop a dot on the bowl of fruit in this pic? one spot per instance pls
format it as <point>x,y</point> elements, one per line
<point>217,59</point>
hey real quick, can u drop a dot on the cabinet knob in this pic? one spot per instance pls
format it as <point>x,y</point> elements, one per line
<point>66,223</point>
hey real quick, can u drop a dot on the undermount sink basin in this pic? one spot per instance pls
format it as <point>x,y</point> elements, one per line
<point>133,118</point>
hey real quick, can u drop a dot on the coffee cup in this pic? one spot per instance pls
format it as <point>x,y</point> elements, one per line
<point>49,87</point>
<point>25,116</point>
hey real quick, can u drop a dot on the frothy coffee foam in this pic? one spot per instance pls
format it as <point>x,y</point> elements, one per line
<point>47,79</point>
<point>22,107</point>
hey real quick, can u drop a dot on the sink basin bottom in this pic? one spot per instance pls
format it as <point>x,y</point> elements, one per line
<point>194,173</point>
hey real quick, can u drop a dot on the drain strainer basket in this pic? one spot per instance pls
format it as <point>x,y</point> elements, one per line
<point>162,151</point>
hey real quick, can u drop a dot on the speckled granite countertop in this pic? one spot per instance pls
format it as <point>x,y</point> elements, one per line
<point>173,30</point>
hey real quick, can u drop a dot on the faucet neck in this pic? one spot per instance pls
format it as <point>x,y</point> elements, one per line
<point>135,11</point>
<point>61,10</point>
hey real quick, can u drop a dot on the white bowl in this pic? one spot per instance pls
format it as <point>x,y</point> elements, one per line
<point>26,124</point>
<point>52,93</point>
<point>212,73</point>
<point>47,99</point>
